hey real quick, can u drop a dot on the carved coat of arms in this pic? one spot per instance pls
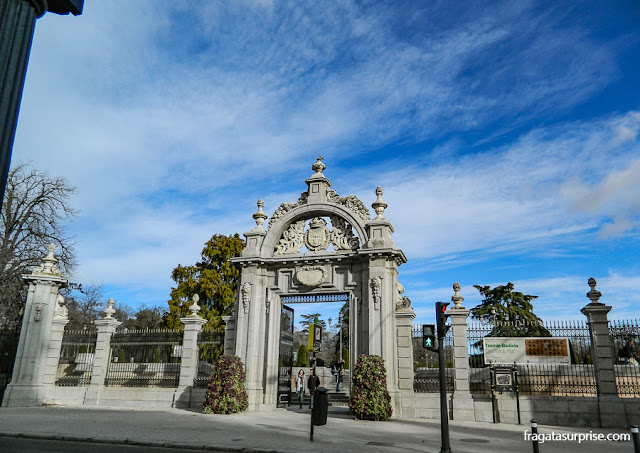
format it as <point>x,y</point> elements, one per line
<point>317,236</point>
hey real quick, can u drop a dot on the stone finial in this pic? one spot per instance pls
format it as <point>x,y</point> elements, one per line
<point>48,265</point>
<point>260,216</point>
<point>457,298</point>
<point>379,206</point>
<point>594,294</point>
<point>194,308</point>
<point>319,167</point>
<point>109,311</point>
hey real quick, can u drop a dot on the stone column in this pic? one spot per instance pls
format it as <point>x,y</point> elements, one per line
<point>53,355</point>
<point>404,343</point>
<point>106,327</point>
<point>229,334</point>
<point>462,401</point>
<point>190,354</point>
<point>190,350</point>
<point>27,384</point>
<point>611,407</point>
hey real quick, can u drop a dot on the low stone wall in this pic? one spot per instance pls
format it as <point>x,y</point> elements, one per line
<point>546,410</point>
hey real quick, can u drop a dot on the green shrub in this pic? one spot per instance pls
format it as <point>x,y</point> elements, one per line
<point>226,394</point>
<point>370,398</point>
<point>303,356</point>
<point>83,349</point>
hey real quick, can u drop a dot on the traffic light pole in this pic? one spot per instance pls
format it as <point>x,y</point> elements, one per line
<point>444,416</point>
<point>441,322</point>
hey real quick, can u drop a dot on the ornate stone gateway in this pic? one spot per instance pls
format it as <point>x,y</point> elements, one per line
<point>323,245</point>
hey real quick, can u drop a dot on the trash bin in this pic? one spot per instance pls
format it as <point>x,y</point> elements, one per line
<point>320,406</point>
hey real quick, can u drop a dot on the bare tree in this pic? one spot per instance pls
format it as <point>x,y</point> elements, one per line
<point>35,212</point>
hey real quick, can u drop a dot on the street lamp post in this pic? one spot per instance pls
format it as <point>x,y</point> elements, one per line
<point>17,23</point>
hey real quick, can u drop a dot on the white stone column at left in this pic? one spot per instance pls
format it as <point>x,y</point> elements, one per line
<point>462,399</point>
<point>106,327</point>
<point>27,383</point>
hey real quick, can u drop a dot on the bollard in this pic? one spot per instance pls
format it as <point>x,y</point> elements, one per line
<point>636,438</point>
<point>534,438</point>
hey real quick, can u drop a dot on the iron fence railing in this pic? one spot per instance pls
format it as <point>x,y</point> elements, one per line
<point>76,358</point>
<point>625,336</point>
<point>576,379</point>
<point>9,336</point>
<point>211,346</point>
<point>145,358</point>
<point>426,377</point>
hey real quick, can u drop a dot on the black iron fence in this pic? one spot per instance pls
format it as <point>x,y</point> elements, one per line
<point>145,358</point>
<point>211,346</point>
<point>625,336</point>
<point>426,377</point>
<point>76,358</point>
<point>576,378</point>
<point>9,336</point>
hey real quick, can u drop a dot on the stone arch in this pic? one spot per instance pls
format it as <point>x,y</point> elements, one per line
<point>310,211</point>
<point>367,273</point>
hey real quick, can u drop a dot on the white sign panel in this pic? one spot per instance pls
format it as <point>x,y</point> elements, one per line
<point>526,350</point>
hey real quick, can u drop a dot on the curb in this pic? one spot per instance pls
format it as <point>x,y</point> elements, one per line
<point>107,441</point>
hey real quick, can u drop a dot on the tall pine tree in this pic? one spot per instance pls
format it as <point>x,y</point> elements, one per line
<point>511,312</point>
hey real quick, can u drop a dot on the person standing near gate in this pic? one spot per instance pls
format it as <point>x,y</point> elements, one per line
<point>300,386</point>
<point>312,384</point>
<point>339,373</point>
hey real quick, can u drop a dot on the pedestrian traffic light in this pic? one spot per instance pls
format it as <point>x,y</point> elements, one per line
<point>441,318</point>
<point>429,337</point>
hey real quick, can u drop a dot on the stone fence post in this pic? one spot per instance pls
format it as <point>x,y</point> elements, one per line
<point>33,368</point>
<point>404,343</point>
<point>462,400</point>
<point>610,405</point>
<point>106,327</point>
<point>190,349</point>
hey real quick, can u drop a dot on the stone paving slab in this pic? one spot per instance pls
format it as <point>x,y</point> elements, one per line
<point>278,431</point>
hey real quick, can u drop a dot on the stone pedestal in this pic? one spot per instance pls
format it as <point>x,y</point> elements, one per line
<point>106,327</point>
<point>27,383</point>
<point>462,401</point>
<point>612,413</point>
<point>404,365</point>
<point>190,349</point>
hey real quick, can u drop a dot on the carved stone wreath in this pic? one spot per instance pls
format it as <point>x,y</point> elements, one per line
<point>291,240</point>
<point>311,276</point>
<point>342,235</point>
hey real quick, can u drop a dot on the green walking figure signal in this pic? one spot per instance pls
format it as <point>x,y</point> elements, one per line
<point>429,337</point>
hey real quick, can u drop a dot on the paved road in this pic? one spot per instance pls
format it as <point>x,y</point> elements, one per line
<point>281,431</point>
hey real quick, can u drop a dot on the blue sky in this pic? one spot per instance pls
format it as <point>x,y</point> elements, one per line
<point>505,136</point>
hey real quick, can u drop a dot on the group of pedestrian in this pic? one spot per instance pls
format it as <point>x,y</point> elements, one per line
<point>313,382</point>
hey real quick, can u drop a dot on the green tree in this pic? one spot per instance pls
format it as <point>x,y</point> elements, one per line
<point>303,356</point>
<point>35,213</point>
<point>511,312</point>
<point>214,279</point>
<point>308,319</point>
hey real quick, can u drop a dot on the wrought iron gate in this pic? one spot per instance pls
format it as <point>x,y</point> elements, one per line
<point>9,336</point>
<point>285,361</point>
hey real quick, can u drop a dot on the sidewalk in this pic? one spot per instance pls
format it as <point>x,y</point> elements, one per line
<point>278,431</point>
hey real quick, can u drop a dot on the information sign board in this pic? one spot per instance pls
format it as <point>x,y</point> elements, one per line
<point>526,350</point>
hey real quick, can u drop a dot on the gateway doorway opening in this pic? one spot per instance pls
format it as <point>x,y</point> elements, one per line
<point>331,312</point>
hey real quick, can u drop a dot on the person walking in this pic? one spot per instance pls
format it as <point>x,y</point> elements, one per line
<point>312,384</point>
<point>300,378</point>
<point>339,367</point>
